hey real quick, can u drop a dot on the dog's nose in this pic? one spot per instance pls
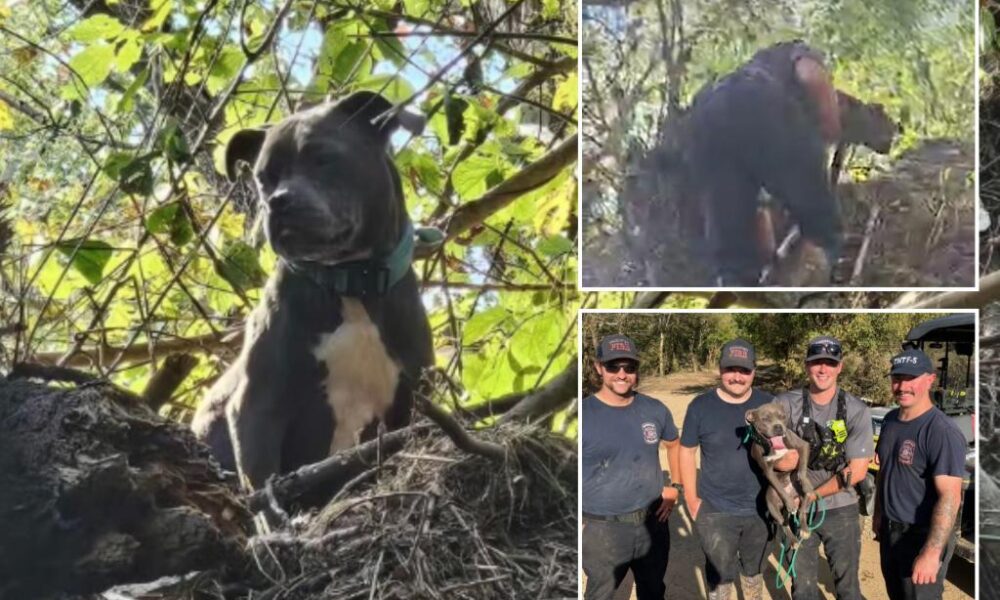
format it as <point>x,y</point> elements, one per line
<point>779,430</point>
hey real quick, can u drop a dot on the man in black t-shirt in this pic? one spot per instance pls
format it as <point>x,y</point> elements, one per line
<point>627,497</point>
<point>921,455</point>
<point>724,500</point>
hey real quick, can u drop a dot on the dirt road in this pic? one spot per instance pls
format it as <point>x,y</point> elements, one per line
<point>685,574</point>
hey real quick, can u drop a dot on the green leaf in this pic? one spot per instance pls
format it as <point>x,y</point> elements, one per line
<point>537,339</point>
<point>345,61</point>
<point>89,259</point>
<point>240,266</point>
<point>127,102</point>
<point>471,175</point>
<point>171,219</point>
<point>565,98</point>
<point>173,144</point>
<point>417,8</point>
<point>554,245</point>
<point>393,87</point>
<point>551,8</point>
<point>161,10</point>
<point>482,323</point>
<point>93,64</point>
<point>423,166</point>
<point>129,52</point>
<point>225,68</point>
<point>136,177</point>
<point>96,27</point>
<point>115,163</point>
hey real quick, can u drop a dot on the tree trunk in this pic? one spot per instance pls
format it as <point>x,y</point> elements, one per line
<point>97,489</point>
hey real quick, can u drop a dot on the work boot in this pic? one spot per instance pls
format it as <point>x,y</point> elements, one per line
<point>753,587</point>
<point>723,591</point>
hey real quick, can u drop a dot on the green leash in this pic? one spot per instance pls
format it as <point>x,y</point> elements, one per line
<point>784,575</point>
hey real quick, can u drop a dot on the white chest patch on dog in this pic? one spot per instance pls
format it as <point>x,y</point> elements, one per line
<point>361,377</point>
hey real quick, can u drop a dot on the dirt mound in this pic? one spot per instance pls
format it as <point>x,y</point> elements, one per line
<point>924,232</point>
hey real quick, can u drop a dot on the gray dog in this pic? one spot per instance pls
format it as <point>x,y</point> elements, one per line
<point>772,440</point>
<point>336,347</point>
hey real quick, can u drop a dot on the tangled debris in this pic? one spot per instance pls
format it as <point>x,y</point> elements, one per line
<point>435,522</point>
<point>98,493</point>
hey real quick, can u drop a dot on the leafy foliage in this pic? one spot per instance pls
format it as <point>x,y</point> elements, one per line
<point>129,244</point>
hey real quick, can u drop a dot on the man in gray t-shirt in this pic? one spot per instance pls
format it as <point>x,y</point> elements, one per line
<point>839,429</point>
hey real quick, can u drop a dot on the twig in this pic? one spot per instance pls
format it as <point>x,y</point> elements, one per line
<point>859,262</point>
<point>454,430</point>
<point>335,469</point>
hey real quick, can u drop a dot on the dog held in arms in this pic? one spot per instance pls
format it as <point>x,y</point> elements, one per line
<point>336,347</point>
<point>771,438</point>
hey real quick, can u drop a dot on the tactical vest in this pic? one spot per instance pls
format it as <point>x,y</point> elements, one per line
<point>827,445</point>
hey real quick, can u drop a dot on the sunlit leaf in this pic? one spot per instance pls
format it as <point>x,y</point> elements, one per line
<point>129,52</point>
<point>565,98</point>
<point>6,117</point>
<point>482,323</point>
<point>96,27</point>
<point>89,259</point>
<point>93,63</point>
<point>161,10</point>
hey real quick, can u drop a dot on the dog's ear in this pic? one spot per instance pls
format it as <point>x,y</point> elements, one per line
<point>750,415</point>
<point>380,114</point>
<point>245,146</point>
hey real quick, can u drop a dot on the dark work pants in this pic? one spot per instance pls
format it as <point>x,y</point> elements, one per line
<point>899,546</point>
<point>732,545</point>
<point>610,549</point>
<point>841,537</point>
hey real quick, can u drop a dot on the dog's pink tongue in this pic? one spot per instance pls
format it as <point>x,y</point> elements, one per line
<point>778,442</point>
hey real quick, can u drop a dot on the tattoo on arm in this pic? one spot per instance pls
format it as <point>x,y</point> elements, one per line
<point>942,521</point>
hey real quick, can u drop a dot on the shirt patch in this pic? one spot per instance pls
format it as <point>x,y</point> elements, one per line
<point>649,433</point>
<point>906,452</point>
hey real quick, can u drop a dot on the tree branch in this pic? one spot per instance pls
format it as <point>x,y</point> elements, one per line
<point>527,179</point>
<point>549,397</point>
<point>90,356</point>
<point>989,291</point>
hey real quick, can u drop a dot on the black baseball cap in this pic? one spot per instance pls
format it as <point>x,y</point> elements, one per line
<point>826,347</point>
<point>911,362</point>
<point>738,353</point>
<point>613,347</point>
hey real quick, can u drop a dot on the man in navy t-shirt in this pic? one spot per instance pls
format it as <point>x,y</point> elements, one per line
<point>724,499</point>
<point>921,455</point>
<point>627,497</point>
